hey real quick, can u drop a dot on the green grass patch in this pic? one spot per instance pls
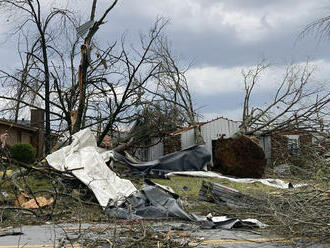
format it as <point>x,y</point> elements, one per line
<point>193,184</point>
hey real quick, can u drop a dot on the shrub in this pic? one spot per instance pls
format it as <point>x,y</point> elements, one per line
<point>23,152</point>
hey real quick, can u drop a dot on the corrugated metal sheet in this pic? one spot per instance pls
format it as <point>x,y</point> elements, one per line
<point>187,138</point>
<point>83,29</point>
<point>215,129</point>
<point>156,151</point>
<point>152,152</point>
<point>211,130</point>
<point>266,144</point>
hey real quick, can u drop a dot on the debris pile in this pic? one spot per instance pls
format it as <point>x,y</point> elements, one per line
<point>83,160</point>
<point>156,202</point>
<point>81,169</point>
<point>118,196</point>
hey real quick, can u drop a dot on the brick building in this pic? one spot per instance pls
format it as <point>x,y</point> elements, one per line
<point>31,132</point>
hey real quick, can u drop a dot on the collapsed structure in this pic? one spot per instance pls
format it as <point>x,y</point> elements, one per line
<point>120,198</point>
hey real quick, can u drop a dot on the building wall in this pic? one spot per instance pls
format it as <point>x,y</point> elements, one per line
<point>26,138</point>
<point>149,153</point>
<point>210,131</point>
<point>16,135</point>
<point>20,135</point>
<point>215,129</point>
<point>155,151</point>
<point>279,147</point>
<point>187,138</point>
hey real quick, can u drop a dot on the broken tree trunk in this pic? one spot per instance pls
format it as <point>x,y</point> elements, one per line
<point>240,157</point>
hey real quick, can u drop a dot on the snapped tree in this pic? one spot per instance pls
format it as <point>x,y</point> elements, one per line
<point>84,84</point>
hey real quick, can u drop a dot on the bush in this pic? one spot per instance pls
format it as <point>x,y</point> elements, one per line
<point>23,152</point>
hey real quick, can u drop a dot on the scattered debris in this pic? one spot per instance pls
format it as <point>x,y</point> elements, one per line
<point>193,158</point>
<point>154,202</point>
<point>82,159</point>
<point>151,202</point>
<point>7,172</point>
<point>4,194</point>
<point>276,183</point>
<point>239,156</point>
<point>21,199</point>
<point>38,202</point>
<point>4,234</point>
<point>221,194</point>
<point>283,169</point>
<point>229,223</point>
<point>25,201</point>
<point>83,29</point>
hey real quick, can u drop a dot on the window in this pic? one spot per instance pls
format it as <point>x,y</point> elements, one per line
<point>293,143</point>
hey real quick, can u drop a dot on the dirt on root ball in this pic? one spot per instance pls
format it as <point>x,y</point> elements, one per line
<point>240,157</point>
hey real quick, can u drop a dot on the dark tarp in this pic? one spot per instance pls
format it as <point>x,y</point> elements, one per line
<point>193,158</point>
<point>154,202</point>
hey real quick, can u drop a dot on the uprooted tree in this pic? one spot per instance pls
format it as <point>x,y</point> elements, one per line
<point>298,104</point>
<point>83,84</point>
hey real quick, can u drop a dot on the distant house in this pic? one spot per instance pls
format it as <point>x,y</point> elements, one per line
<point>31,132</point>
<point>183,138</point>
<point>279,145</point>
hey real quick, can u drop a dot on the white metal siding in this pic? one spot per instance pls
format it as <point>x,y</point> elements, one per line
<point>215,129</point>
<point>187,138</point>
<point>156,151</point>
<point>266,144</point>
<point>210,131</point>
<point>150,153</point>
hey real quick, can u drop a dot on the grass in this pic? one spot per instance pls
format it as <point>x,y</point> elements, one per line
<point>188,189</point>
<point>71,207</point>
<point>194,184</point>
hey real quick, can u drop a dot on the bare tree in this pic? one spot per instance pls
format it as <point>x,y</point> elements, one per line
<point>171,86</point>
<point>33,11</point>
<point>110,87</point>
<point>297,103</point>
<point>319,28</point>
<point>85,50</point>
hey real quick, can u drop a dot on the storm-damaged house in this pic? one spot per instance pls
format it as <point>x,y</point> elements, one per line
<point>280,145</point>
<point>180,139</point>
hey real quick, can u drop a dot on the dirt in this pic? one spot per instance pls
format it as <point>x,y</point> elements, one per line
<point>240,157</point>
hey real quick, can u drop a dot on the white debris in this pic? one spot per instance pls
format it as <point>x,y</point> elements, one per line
<point>277,183</point>
<point>84,161</point>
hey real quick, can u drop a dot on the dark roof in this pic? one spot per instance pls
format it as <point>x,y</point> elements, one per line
<point>21,124</point>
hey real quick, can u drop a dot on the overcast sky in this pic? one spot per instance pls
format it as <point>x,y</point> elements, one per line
<point>219,38</point>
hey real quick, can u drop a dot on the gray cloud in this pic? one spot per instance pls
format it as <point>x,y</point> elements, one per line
<point>216,33</point>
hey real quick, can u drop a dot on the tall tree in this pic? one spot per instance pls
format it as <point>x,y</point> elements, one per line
<point>108,87</point>
<point>297,102</point>
<point>33,11</point>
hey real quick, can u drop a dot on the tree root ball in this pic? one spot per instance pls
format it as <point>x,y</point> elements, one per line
<point>239,156</point>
